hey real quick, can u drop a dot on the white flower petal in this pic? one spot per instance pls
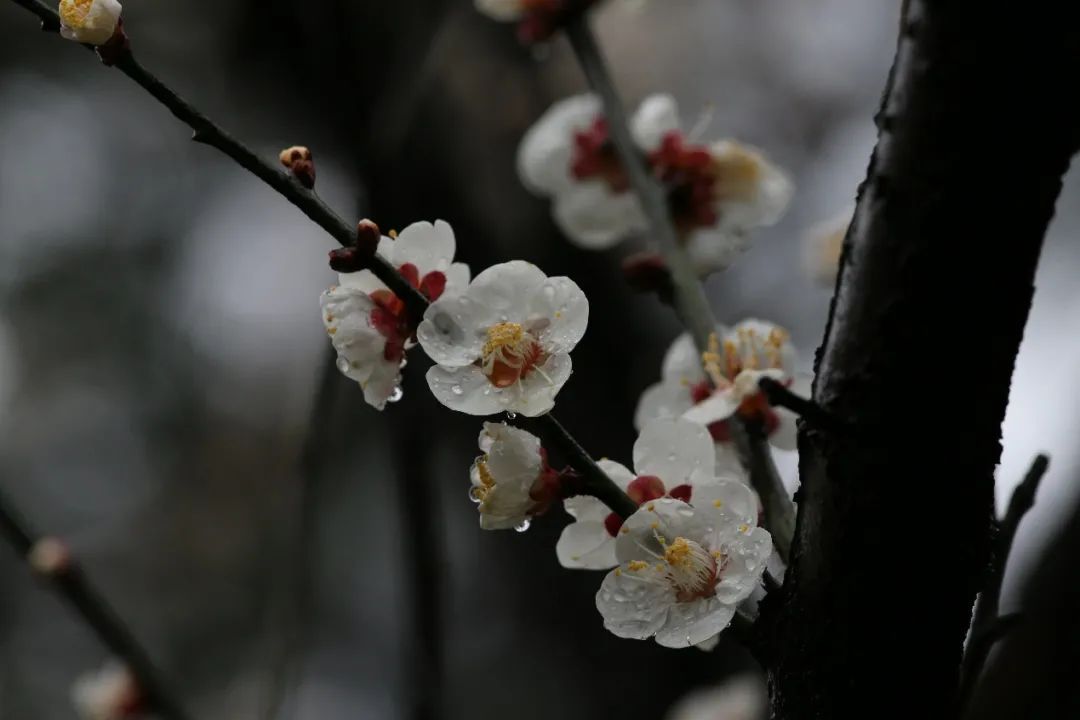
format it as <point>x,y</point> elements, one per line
<point>634,605</point>
<point>96,27</point>
<point>586,545</point>
<point>721,405</point>
<point>729,497</point>
<point>430,247</point>
<point>513,454</point>
<point>742,698</point>
<point>682,361</point>
<point>380,385</point>
<point>361,281</point>
<point>713,251</point>
<point>663,518</point>
<point>465,389</point>
<point>535,394</point>
<point>657,116</point>
<point>619,473</point>
<point>689,623</point>
<point>454,329</point>
<point>594,217</point>
<point>561,312</point>
<point>457,278</point>
<point>746,556</point>
<point>756,198</point>
<point>506,290</point>
<point>674,450</point>
<point>547,148</point>
<point>585,508</point>
<point>667,399</point>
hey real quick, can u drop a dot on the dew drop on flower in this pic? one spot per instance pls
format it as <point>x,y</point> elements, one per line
<point>342,365</point>
<point>396,394</point>
<point>456,389</point>
<point>511,414</point>
<point>474,495</point>
<point>523,526</point>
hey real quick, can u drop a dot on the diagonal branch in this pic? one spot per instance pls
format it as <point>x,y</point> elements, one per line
<point>207,132</point>
<point>70,582</point>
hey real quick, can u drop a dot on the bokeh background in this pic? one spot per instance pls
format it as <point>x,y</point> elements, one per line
<point>162,356</point>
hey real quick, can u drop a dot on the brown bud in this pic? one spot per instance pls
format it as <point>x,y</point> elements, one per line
<point>647,272</point>
<point>49,557</point>
<point>368,236</point>
<point>348,260</point>
<point>299,162</point>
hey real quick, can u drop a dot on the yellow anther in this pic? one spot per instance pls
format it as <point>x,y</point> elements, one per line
<point>501,335</point>
<point>74,12</point>
<point>636,565</point>
<point>744,528</point>
<point>651,507</point>
<point>718,503</point>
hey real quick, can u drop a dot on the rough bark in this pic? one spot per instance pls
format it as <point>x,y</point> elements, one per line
<point>977,126</point>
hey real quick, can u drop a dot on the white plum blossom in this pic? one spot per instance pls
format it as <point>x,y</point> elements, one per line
<point>683,569</point>
<point>710,389</point>
<point>741,698</point>
<point>716,193</point>
<point>671,457</point>
<point>368,324</point>
<point>108,694</point>
<point>504,344</point>
<point>89,21</point>
<point>511,481</point>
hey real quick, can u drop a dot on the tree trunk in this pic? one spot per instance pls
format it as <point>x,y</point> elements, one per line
<point>977,126</point>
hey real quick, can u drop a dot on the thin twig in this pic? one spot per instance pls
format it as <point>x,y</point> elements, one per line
<point>205,131</point>
<point>690,300</point>
<point>780,396</point>
<point>988,626</point>
<point>71,583</point>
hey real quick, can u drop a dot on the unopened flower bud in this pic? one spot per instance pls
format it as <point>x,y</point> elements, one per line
<point>368,236</point>
<point>93,22</point>
<point>298,160</point>
<point>348,260</point>
<point>49,557</point>
<point>108,694</point>
<point>647,272</point>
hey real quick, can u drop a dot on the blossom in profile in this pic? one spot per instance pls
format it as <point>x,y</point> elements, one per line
<point>684,569</point>
<point>369,325</point>
<point>93,22</point>
<point>710,389</point>
<point>511,481</point>
<point>671,457</point>
<point>108,694</point>
<point>716,193</point>
<point>503,345</point>
<point>740,698</point>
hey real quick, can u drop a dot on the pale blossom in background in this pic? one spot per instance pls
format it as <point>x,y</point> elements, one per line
<point>89,21</point>
<point>108,694</point>
<point>683,569</point>
<point>511,481</point>
<point>671,457</point>
<point>740,698</point>
<point>504,344</point>
<point>822,245</point>
<point>717,193</point>
<point>368,324</point>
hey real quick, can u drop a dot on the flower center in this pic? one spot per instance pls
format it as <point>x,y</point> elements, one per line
<point>509,354</point>
<point>738,173</point>
<point>691,569</point>
<point>688,175</point>
<point>749,349</point>
<point>73,12</point>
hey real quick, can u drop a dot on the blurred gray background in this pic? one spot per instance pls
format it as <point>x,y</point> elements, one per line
<point>161,348</point>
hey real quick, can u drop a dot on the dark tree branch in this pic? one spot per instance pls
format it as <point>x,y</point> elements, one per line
<point>894,529</point>
<point>779,396</point>
<point>71,583</point>
<point>988,626</point>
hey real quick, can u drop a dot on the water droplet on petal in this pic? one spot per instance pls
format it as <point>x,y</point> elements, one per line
<point>396,394</point>
<point>456,389</point>
<point>342,365</point>
<point>511,414</point>
<point>524,525</point>
<point>671,457</point>
<point>474,494</point>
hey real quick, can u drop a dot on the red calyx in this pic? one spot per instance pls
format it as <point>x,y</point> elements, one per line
<point>687,173</point>
<point>645,488</point>
<point>682,492</point>
<point>647,272</point>
<point>116,47</point>
<point>595,157</point>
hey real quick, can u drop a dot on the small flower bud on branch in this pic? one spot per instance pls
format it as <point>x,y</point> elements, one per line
<point>299,162</point>
<point>49,557</point>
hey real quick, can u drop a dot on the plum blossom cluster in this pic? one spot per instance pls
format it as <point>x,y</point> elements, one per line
<point>722,384</point>
<point>93,22</point>
<point>716,193</point>
<point>369,326</point>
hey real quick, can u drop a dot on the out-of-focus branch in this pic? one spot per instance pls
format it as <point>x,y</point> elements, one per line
<point>205,131</point>
<point>988,626</point>
<point>690,301</point>
<point>69,581</point>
